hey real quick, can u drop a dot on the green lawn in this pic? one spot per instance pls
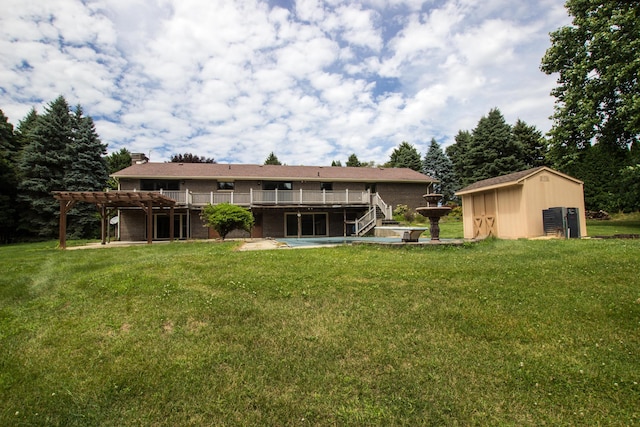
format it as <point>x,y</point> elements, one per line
<point>495,333</point>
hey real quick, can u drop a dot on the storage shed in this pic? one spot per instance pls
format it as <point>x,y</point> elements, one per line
<point>511,206</point>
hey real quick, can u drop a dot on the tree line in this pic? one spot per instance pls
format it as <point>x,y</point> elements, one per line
<point>594,137</point>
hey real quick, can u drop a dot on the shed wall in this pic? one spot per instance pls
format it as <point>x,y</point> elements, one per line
<point>547,190</point>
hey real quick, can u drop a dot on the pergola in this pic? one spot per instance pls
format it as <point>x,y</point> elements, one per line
<point>107,201</point>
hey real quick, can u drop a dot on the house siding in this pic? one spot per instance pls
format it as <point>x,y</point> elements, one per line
<point>271,219</point>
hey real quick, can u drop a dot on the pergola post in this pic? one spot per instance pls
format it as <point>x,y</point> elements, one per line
<point>62,233</point>
<point>171,224</point>
<point>65,206</point>
<point>104,224</point>
<point>149,222</point>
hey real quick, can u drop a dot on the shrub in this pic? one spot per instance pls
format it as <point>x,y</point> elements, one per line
<point>226,217</point>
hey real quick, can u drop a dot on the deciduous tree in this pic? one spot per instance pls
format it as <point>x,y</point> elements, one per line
<point>226,217</point>
<point>190,158</point>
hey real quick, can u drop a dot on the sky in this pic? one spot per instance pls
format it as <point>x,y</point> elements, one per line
<point>312,81</point>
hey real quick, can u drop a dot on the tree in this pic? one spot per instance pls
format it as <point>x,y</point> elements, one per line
<point>190,158</point>
<point>353,161</point>
<point>8,179</point>
<point>596,121</point>
<point>534,145</point>
<point>405,156</point>
<point>437,165</point>
<point>493,151</point>
<point>457,153</point>
<point>118,160</point>
<point>42,169</point>
<point>272,160</point>
<point>337,163</point>
<point>226,217</point>
<point>596,58</point>
<point>87,171</point>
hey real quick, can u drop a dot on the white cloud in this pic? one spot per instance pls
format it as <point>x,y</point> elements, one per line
<point>235,80</point>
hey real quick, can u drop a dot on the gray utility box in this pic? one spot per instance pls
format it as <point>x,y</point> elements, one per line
<point>561,221</point>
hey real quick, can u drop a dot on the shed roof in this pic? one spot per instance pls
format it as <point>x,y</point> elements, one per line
<point>223,171</point>
<point>510,179</point>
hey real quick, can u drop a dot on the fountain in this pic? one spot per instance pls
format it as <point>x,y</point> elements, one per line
<point>434,213</point>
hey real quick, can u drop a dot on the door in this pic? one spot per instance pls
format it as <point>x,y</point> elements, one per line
<point>484,215</point>
<point>161,226</point>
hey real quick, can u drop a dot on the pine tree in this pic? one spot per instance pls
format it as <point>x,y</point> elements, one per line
<point>405,156</point>
<point>337,163</point>
<point>353,161</point>
<point>437,165</point>
<point>534,145</point>
<point>272,159</point>
<point>42,168</point>
<point>8,179</point>
<point>457,153</point>
<point>87,171</point>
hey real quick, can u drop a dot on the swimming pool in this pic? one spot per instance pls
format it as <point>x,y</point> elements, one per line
<point>322,241</point>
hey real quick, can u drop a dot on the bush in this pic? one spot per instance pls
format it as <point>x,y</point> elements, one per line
<point>405,212</point>
<point>226,217</point>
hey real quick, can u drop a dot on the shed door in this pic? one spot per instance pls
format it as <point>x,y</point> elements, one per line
<point>484,215</point>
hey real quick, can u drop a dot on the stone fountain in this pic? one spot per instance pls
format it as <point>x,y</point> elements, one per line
<point>434,213</point>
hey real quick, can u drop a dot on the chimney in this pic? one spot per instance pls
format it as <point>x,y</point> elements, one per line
<point>138,159</point>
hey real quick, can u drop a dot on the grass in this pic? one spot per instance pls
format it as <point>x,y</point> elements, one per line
<point>618,224</point>
<point>497,333</point>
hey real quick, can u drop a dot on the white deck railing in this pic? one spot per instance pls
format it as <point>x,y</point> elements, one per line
<point>270,197</point>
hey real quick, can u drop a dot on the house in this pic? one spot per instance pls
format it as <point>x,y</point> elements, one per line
<point>286,201</point>
<point>512,206</point>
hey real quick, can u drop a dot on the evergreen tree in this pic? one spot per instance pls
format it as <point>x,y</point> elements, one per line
<point>493,151</point>
<point>405,156</point>
<point>87,171</point>
<point>272,159</point>
<point>42,169</point>
<point>534,145</point>
<point>25,128</point>
<point>190,158</point>
<point>353,161</point>
<point>437,165</point>
<point>336,163</point>
<point>8,179</point>
<point>457,153</point>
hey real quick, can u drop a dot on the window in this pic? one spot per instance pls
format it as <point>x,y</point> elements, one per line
<point>327,186</point>
<point>159,184</point>
<point>226,185</point>
<point>311,224</point>
<point>277,185</point>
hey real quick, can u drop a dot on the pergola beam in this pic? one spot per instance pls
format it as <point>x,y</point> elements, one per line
<point>112,199</point>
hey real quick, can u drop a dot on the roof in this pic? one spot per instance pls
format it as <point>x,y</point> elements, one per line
<point>221,171</point>
<point>515,178</point>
